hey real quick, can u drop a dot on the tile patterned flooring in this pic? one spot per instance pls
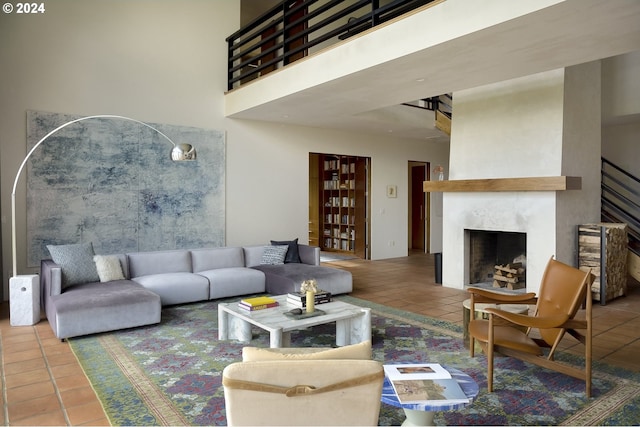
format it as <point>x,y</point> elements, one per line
<point>42,383</point>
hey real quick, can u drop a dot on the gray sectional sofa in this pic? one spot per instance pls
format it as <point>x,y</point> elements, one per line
<point>146,281</point>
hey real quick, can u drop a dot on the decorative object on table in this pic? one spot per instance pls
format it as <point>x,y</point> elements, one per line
<point>299,299</point>
<point>424,383</point>
<point>303,314</point>
<point>310,287</point>
<point>179,152</point>
<point>257,303</point>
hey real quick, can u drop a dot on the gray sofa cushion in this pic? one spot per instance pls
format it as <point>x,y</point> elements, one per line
<point>209,259</point>
<point>285,278</point>
<point>228,282</point>
<point>176,288</point>
<point>99,307</point>
<point>158,262</point>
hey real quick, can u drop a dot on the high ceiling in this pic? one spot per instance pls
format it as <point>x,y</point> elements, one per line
<point>365,97</point>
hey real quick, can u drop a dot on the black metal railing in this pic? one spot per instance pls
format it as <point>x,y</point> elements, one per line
<point>288,31</point>
<point>620,192</point>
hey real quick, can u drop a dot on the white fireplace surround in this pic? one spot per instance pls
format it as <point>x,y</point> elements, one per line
<point>545,125</point>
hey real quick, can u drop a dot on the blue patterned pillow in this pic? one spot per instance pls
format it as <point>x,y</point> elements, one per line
<point>76,262</point>
<point>274,254</point>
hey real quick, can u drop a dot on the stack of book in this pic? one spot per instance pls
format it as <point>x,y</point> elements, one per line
<point>257,303</point>
<point>299,299</point>
<point>424,383</point>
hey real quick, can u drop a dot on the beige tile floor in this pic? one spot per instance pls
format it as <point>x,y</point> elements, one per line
<point>42,383</point>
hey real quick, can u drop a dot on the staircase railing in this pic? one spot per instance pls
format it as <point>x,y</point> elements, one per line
<point>286,32</point>
<point>620,194</point>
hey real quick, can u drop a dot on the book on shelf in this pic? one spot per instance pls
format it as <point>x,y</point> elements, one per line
<point>257,303</point>
<point>299,299</point>
<point>424,383</point>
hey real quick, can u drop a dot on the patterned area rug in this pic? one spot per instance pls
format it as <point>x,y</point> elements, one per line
<point>170,374</point>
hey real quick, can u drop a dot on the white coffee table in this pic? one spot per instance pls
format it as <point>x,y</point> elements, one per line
<point>353,323</point>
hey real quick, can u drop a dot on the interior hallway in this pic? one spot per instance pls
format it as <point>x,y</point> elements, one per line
<point>42,383</point>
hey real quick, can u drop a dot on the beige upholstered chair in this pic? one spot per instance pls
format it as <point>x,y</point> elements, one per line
<point>303,387</point>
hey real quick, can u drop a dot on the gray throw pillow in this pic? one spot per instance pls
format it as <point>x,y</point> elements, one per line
<point>76,262</point>
<point>274,254</point>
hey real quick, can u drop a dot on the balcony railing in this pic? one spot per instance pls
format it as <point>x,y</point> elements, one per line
<point>296,28</point>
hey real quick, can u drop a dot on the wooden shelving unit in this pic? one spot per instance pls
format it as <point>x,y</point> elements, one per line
<point>542,183</point>
<point>342,204</point>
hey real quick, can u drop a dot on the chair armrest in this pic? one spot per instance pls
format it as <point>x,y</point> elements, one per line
<point>546,322</point>
<point>50,278</point>
<point>486,296</point>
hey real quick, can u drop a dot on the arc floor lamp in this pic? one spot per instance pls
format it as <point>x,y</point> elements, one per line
<point>24,295</point>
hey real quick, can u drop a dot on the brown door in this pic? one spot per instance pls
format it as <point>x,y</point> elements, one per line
<point>418,175</point>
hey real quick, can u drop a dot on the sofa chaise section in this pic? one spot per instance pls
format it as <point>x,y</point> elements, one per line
<point>285,278</point>
<point>91,308</point>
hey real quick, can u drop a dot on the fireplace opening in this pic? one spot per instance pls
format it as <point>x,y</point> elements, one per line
<point>490,250</point>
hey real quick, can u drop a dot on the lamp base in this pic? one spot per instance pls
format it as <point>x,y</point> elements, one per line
<point>24,300</point>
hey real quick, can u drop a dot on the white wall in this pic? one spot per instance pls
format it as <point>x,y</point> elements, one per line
<point>165,62</point>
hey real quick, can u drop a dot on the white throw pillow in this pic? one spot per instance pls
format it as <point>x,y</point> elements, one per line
<point>108,267</point>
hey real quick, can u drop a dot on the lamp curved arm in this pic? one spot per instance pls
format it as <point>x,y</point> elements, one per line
<point>178,153</point>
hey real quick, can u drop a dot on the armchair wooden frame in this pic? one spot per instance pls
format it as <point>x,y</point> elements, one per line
<point>563,291</point>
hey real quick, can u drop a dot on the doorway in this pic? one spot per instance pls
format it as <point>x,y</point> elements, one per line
<point>418,207</point>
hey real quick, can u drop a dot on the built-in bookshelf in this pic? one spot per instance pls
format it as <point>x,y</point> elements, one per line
<point>342,203</point>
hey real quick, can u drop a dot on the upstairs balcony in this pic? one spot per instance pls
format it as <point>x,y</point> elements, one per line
<point>330,66</point>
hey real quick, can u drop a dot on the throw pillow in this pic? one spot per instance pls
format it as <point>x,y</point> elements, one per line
<point>274,254</point>
<point>76,262</point>
<point>293,254</point>
<point>108,267</point>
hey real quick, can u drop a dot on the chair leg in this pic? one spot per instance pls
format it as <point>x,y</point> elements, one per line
<point>472,345</point>
<point>489,353</point>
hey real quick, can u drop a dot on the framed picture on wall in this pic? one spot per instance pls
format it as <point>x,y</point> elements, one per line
<point>392,191</point>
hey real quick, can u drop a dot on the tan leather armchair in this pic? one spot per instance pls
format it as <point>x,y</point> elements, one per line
<point>304,387</point>
<point>563,291</point>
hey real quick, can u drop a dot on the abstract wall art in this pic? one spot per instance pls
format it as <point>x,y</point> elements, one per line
<point>111,182</point>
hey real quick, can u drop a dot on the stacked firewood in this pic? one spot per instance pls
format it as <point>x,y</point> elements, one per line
<point>512,276</point>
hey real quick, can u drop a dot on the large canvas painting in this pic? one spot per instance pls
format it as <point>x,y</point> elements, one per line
<point>112,182</point>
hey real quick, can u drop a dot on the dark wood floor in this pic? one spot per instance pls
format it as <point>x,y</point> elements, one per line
<point>43,384</point>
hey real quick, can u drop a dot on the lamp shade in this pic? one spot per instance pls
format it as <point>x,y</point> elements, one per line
<point>183,152</point>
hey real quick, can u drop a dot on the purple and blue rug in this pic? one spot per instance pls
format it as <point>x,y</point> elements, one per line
<point>170,374</point>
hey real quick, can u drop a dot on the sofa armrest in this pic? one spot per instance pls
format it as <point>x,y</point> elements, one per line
<point>50,278</point>
<point>309,254</point>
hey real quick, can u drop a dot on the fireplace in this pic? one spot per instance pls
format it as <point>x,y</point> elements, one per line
<point>487,249</point>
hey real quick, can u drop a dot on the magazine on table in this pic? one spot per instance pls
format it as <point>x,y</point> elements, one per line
<point>424,383</point>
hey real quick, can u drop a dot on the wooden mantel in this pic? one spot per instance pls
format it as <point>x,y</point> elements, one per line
<point>542,183</point>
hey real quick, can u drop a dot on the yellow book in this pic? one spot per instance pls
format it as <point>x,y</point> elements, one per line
<point>257,301</point>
